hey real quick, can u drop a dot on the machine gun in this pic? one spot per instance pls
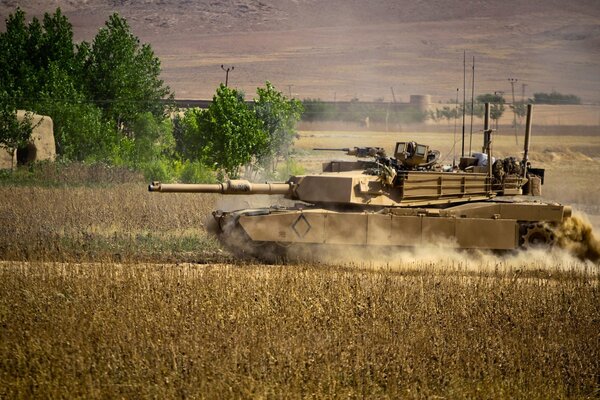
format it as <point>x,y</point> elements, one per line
<point>361,152</point>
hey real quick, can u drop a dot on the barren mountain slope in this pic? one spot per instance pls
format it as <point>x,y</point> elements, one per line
<point>349,48</point>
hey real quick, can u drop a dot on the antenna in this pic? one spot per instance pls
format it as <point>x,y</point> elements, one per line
<point>487,143</point>
<point>472,105</point>
<point>527,138</point>
<point>464,100</point>
<point>455,119</point>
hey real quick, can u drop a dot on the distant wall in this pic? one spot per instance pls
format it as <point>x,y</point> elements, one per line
<point>421,102</point>
<point>41,146</point>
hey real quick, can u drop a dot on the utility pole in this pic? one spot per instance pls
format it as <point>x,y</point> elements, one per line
<point>227,73</point>
<point>523,86</point>
<point>393,95</point>
<point>512,85</point>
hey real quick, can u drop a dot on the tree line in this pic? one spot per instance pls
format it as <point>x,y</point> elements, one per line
<point>498,105</point>
<point>106,100</point>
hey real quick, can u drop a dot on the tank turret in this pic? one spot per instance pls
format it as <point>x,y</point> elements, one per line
<point>405,200</point>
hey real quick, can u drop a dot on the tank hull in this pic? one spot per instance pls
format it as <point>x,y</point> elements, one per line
<point>486,225</point>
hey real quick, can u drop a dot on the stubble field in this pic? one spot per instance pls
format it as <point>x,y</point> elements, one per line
<point>111,291</point>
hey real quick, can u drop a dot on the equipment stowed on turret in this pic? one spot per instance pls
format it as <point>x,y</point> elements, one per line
<point>404,200</point>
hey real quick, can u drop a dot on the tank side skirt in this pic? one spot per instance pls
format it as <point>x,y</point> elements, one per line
<point>380,229</point>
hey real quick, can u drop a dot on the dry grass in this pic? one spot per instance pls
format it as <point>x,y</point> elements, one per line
<point>110,330</point>
<point>119,222</point>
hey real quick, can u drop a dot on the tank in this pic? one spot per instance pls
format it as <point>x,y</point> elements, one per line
<point>406,199</point>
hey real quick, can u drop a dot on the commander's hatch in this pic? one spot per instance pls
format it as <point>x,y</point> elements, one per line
<point>411,154</point>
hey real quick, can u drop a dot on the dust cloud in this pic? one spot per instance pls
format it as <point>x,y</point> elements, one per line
<point>577,237</point>
<point>443,259</point>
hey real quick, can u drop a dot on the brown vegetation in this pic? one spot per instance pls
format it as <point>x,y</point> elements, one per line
<point>110,330</point>
<point>120,222</point>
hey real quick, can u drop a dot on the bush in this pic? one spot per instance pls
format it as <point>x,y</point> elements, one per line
<point>196,172</point>
<point>158,170</point>
<point>291,167</point>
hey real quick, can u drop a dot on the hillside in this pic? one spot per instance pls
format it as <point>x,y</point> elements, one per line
<point>345,49</point>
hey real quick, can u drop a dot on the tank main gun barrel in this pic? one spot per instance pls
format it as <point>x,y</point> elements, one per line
<point>358,151</point>
<point>228,187</point>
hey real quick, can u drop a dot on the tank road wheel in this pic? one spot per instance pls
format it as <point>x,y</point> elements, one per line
<point>536,235</point>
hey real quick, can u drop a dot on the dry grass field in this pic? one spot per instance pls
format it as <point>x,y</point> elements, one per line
<point>108,291</point>
<point>113,223</point>
<point>249,331</point>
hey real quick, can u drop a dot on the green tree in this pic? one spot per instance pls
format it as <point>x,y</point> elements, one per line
<point>27,51</point>
<point>519,108</point>
<point>57,45</point>
<point>230,133</point>
<point>43,74</point>
<point>189,142</point>
<point>496,105</point>
<point>15,133</point>
<point>80,132</point>
<point>448,113</point>
<point>153,139</point>
<point>279,116</point>
<point>122,75</point>
<point>555,98</point>
<point>17,68</point>
<point>93,93</point>
<point>151,147</point>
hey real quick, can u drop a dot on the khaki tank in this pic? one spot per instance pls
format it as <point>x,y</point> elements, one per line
<point>404,200</point>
